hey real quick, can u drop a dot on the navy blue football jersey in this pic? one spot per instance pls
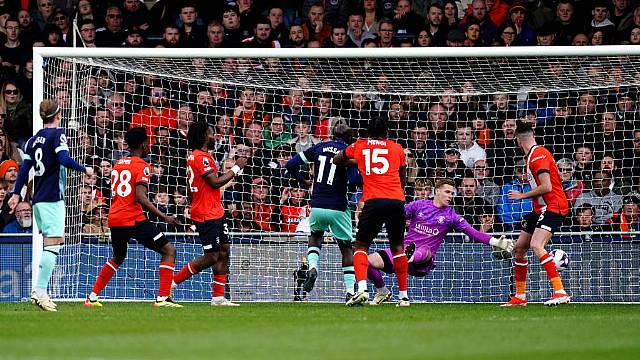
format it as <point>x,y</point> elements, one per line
<point>329,181</point>
<point>50,176</point>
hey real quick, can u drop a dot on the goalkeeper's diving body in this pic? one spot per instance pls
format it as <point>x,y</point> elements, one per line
<point>429,222</point>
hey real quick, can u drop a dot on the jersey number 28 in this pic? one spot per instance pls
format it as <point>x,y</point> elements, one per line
<point>121,183</point>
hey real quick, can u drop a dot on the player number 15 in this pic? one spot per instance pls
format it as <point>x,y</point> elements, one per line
<point>375,157</point>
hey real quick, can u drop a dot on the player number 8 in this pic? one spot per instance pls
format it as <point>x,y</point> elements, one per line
<point>123,182</point>
<point>39,167</point>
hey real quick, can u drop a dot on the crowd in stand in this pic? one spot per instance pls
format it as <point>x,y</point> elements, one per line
<point>595,135</point>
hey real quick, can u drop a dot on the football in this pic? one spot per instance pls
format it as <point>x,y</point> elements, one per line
<point>561,259</point>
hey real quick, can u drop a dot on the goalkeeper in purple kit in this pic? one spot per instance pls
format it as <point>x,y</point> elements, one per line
<point>429,222</point>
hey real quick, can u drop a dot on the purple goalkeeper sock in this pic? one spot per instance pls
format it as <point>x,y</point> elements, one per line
<point>374,275</point>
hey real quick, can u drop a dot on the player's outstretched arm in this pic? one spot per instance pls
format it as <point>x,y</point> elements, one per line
<point>293,168</point>
<point>68,162</point>
<point>22,179</point>
<point>215,181</point>
<point>141,197</point>
<point>502,242</point>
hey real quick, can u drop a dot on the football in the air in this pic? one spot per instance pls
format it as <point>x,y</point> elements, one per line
<point>561,259</point>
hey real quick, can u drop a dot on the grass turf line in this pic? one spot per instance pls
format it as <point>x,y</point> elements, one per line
<point>319,331</point>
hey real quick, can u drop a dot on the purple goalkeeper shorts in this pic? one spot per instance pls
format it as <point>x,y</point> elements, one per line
<point>417,271</point>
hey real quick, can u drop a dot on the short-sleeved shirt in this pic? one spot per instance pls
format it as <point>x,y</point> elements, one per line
<point>379,162</point>
<point>540,161</point>
<point>50,176</point>
<point>429,224</point>
<point>127,173</point>
<point>329,180</point>
<point>205,200</point>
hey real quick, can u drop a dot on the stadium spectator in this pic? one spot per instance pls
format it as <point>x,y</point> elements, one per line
<point>262,35</point>
<point>233,35</point>
<point>279,27</point>
<point>101,133</point>
<point>339,38</point>
<point>171,37</point>
<point>386,34</point>
<point>9,173</point>
<point>583,220</point>
<point>135,16</point>
<point>8,149</point>
<point>303,138</point>
<point>518,20</point>
<point>296,36</point>
<point>120,148</point>
<point>487,189</point>
<point>437,26</point>
<point>113,33</point>
<point>6,215</point>
<point>422,152</point>
<point>192,34</point>
<point>276,133</point>
<point>468,148</point>
<point>572,187</point>
<point>161,201</point>
<point>604,201</point>
<point>583,157</point>
<point>454,167</point>
<point>215,35</point>
<point>316,28</point>
<point>371,16</point>
<point>43,14</point>
<point>157,113</point>
<point>97,219</point>
<point>356,32</point>
<point>18,123</point>
<point>511,212</point>
<point>23,222</point>
<point>293,209</point>
<point>85,12</point>
<point>478,15</point>
<point>104,179</point>
<point>29,31</point>
<point>14,53</point>
<point>619,184</point>
<point>406,21</point>
<point>246,111</point>
<point>628,219</point>
<point>263,208</point>
<point>468,204</point>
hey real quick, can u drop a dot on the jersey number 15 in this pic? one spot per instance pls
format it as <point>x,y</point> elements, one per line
<point>375,157</point>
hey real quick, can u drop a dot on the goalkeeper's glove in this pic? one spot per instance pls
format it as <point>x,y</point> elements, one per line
<point>502,243</point>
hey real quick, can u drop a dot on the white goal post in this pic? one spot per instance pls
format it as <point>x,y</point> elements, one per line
<point>266,262</point>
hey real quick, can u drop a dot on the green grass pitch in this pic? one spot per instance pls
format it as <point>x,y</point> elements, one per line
<point>320,331</point>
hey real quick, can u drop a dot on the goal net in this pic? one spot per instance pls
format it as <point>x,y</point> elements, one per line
<point>454,112</point>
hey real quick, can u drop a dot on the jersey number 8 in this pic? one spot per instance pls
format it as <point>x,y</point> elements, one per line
<point>121,183</point>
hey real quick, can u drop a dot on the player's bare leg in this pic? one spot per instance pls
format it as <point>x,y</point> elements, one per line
<point>539,240</point>
<point>373,273</point>
<point>50,252</point>
<point>220,278</point>
<point>521,265</point>
<point>360,264</point>
<point>313,254</point>
<point>166,268</point>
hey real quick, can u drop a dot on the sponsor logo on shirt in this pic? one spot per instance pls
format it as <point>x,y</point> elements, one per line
<point>426,229</point>
<point>440,219</point>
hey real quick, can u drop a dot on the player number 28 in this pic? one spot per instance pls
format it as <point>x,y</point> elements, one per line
<point>121,183</point>
<point>376,157</point>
